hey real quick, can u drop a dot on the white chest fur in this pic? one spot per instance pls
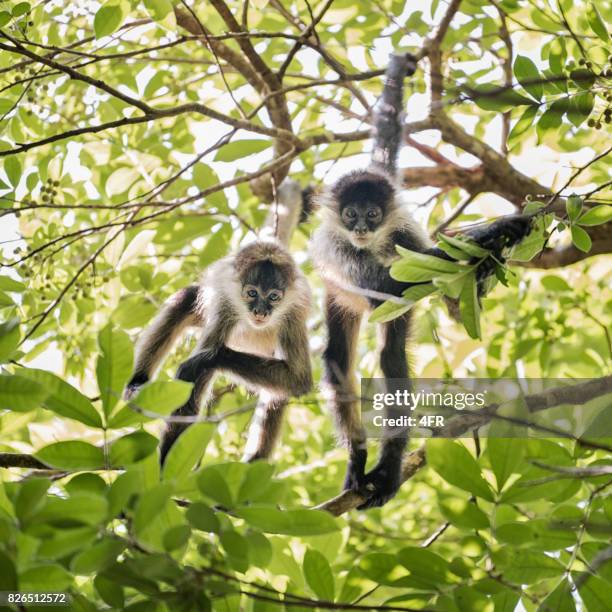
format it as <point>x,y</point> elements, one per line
<point>247,339</point>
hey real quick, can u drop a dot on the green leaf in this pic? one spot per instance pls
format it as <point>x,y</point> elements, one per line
<point>132,448</point>
<point>549,121</point>
<point>388,311</point>
<point>490,97</point>
<point>9,339</point>
<point>5,17</point>
<point>241,148</point>
<point>202,517</point>
<point>573,206</point>
<point>82,508</point>
<point>596,215</point>
<point>597,23</point>
<point>213,485</point>
<point>204,177</point>
<point>451,285</point>
<point>12,167</point>
<point>260,549</point>
<point>427,569</point>
<point>463,513</point>
<point>529,247</point>
<point>581,106</point>
<point>21,8</point>
<point>525,566</point>
<point>289,522</point>
<point>64,399</point>
<point>505,455</point>
<point>110,592</point>
<point>114,365</point>
<point>465,244</point>
<point>187,451</point>
<point>469,308</point>
<point>108,19</point>
<point>526,72</point>
<point>560,600</point>
<point>159,10</point>
<point>594,591</point>
<point>525,122</point>
<point>72,455</point>
<point>453,462</point>
<point>156,400</point>
<point>176,537</point>
<point>256,482</point>
<point>416,267</point>
<point>150,507</point>
<point>554,283</point>
<point>49,577</point>
<point>8,573</point>
<point>581,239</point>
<point>380,567</point>
<point>319,575</point>
<point>237,548</point>
<point>20,394</point>
<point>31,498</point>
<point>10,284</point>
<point>97,557</point>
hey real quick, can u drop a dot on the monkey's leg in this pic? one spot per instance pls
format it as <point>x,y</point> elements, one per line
<point>265,427</point>
<point>339,366</point>
<point>197,371</point>
<point>177,314</point>
<point>385,478</point>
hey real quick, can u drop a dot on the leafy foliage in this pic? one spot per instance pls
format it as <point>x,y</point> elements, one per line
<point>127,148</point>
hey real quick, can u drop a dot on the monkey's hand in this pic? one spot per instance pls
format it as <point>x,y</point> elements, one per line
<point>503,233</point>
<point>355,470</point>
<point>134,385</point>
<point>381,484</point>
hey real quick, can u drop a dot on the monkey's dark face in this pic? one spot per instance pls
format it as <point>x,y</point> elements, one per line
<point>363,199</point>
<point>263,290</point>
<point>361,219</point>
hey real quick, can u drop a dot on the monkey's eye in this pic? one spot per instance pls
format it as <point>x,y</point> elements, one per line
<point>350,213</point>
<point>252,293</point>
<point>372,213</point>
<point>274,296</point>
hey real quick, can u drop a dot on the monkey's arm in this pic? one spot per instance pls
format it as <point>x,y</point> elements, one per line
<point>495,237</point>
<point>176,315</point>
<point>290,376</point>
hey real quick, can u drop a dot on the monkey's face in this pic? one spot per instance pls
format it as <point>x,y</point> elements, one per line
<point>361,219</point>
<point>362,199</point>
<point>263,290</point>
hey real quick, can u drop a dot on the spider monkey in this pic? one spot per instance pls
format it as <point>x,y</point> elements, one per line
<point>252,308</point>
<point>362,221</point>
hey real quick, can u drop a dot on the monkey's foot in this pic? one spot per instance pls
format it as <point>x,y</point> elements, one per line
<point>134,386</point>
<point>380,485</point>
<point>355,470</point>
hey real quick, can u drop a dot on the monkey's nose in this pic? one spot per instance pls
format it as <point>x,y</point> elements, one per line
<point>259,316</point>
<point>361,231</point>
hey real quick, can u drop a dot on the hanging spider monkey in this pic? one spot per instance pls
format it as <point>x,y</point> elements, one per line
<point>251,307</point>
<point>363,220</point>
